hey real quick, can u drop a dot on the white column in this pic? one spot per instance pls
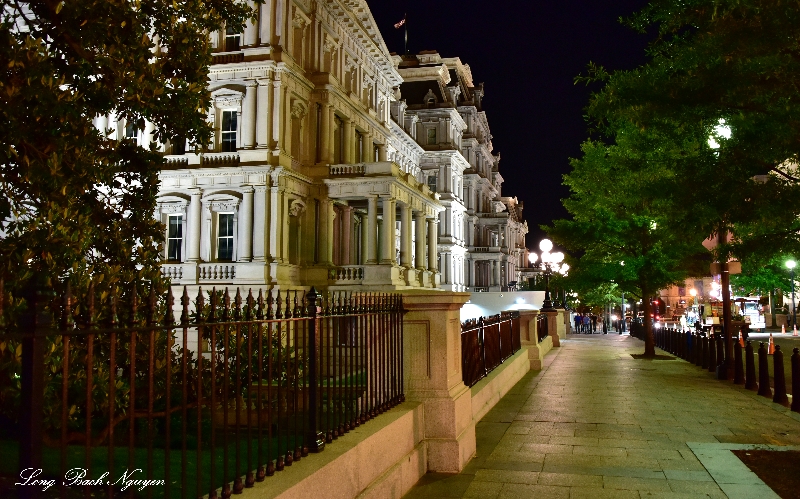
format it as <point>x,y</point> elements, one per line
<point>102,123</point>
<point>405,236</point>
<point>195,207</point>
<point>277,214</point>
<point>419,235</point>
<point>147,135</point>
<point>276,113</point>
<point>496,266</point>
<point>472,267</point>
<point>245,245</point>
<point>249,115</point>
<point>387,255</point>
<point>250,29</point>
<point>259,223</point>
<point>347,235</point>
<point>382,152</point>
<point>432,244</point>
<point>364,240</point>
<point>372,230</point>
<point>265,27</point>
<point>262,115</point>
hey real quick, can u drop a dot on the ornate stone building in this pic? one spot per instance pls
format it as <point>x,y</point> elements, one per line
<point>323,172</point>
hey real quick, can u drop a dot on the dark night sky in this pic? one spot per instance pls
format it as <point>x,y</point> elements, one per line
<point>527,53</point>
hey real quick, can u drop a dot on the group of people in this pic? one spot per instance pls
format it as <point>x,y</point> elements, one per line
<point>585,323</point>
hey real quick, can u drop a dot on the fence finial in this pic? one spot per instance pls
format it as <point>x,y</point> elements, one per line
<point>169,315</point>
<point>237,305</point>
<point>185,306</point>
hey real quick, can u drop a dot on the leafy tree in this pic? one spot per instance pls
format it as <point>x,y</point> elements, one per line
<point>728,60</point>
<point>72,201</point>
<point>626,223</point>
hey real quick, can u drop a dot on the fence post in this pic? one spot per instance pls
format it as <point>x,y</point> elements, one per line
<point>315,440</point>
<point>34,323</point>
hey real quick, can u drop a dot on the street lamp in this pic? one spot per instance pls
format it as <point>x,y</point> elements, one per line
<point>791,264</point>
<point>547,263</point>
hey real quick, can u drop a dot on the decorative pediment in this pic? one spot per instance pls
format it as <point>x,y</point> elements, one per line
<point>227,98</point>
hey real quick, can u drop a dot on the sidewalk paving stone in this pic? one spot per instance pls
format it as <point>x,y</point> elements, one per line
<point>597,423</point>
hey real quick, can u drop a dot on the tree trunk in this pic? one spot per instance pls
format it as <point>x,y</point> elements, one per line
<point>649,341</point>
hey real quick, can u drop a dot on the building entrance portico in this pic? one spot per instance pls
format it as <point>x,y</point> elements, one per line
<point>391,221</point>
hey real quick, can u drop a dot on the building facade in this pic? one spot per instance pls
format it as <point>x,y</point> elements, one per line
<point>323,173</point>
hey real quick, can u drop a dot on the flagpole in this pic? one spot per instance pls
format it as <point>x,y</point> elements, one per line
<point>405,25</point>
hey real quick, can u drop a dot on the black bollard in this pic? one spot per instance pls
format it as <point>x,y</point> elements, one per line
<point>796,380</point>
<point>712,354</point>
<point>750,369</point>
<point>698,350</point>
<point>780,379</point>
<point>738,371</point>
<point>722,370</point>
<point>763,373</point>
<point>704,361</point>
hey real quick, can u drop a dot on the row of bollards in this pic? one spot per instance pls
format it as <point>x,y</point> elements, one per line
<point>708,352</point>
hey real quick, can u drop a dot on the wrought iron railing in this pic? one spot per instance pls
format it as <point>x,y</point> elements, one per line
<point>487,342</point>
<point>237,389</point>
<point>541,327</point>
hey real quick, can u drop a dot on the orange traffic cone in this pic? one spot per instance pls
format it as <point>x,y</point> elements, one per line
<point>794,332</point>
<point>771,348</point>
<point>783,328</point>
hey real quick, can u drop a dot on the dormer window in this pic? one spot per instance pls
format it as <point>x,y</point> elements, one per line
<point>431,136</point>
<point>432,182</point>
<point>430,98</point>
<point>231,40</point>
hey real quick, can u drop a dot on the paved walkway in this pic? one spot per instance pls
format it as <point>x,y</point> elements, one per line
<point>596,423</point>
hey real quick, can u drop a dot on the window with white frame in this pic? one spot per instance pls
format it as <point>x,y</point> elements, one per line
<point>232,39</point>
<point>225,237</point>
<point>174,238</point>
<point>229,125</point>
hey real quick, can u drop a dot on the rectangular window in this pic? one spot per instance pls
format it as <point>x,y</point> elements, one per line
<point>432,183</point>
<point>130,130</point>
<point>431,136</point>
<point>178,146</point>
<point>228,131</point>
<point>231,40</point>
<point>174,237</point>
<point>225,237</point>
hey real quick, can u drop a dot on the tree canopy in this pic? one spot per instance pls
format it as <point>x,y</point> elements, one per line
<point>72,201</point>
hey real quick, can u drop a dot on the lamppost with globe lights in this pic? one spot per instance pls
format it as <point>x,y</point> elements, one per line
<point>791,264</point>
<point>547,263</point>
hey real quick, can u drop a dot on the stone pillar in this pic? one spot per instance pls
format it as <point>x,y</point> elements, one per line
<point>250,30</point>
<point>387,245</point>
<point>552,326</point>
<point>432,363</point>
<point>496,267</point>
<point>561,323</point>
<point>331,135</point>
<point>276,113</point>
<point>347,146</point>
<point>368,152</point>
<point>382,152</point>
<point>277,214</point>
<point>246,225</point>
<point>249,115</point>
<point>265,27</point>
<point>262,114</point>
<point>328,227</point>
<point>419,240</point>
<point>405,236</point>
<point>432,244</point>
<point>346,239</point>
<point>372,230</point>
<point>472,269</point>
<point>324,133</point>
<point>364,240</point>
<point>260,223</point>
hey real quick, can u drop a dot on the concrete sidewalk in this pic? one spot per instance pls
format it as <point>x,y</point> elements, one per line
<point>596,423</point>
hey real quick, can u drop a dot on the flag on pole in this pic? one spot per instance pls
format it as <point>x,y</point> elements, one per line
<point>400,24</point>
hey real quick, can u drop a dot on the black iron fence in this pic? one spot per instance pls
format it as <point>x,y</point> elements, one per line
<point>541,327</point>
<point>487,342</point>
<point>238,388</point>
